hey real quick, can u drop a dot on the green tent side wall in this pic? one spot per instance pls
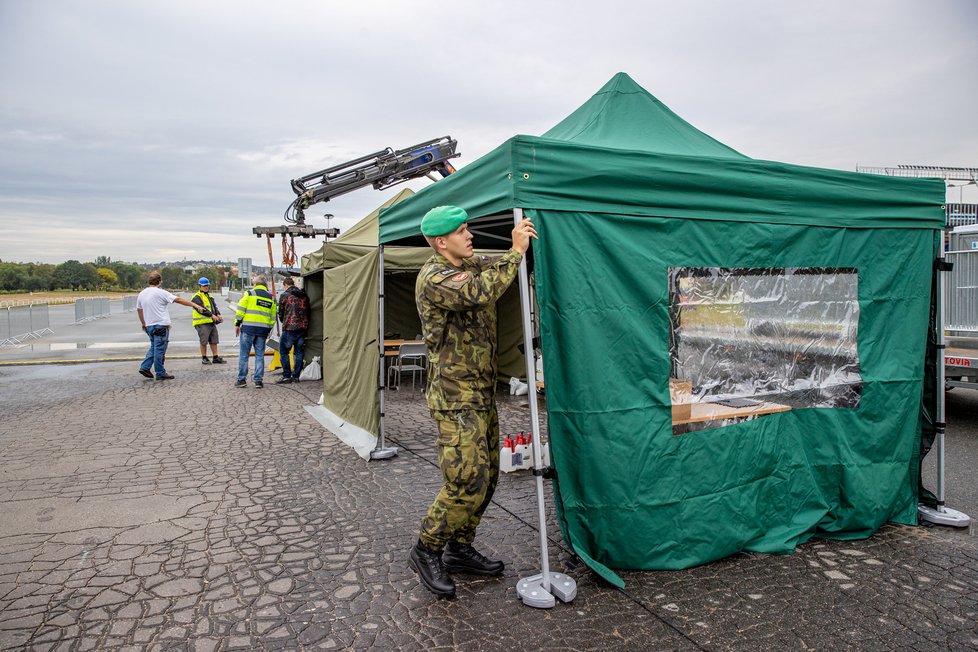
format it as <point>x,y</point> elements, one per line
<point>763,485</point>
<point>350,343</point>
<point>313,286</point>
<point>621,192</point>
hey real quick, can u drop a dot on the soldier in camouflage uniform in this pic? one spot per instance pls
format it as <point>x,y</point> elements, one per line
<point>456,294</point>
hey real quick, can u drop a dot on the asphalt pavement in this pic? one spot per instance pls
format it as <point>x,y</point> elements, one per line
<point>188,514</point>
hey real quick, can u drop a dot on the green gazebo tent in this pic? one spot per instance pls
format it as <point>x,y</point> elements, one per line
<point>664,254</point>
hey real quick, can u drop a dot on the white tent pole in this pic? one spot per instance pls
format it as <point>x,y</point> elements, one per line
<point>382,452</point>
<point>942,515</point>
<point>941,379</point>
<point>538,590</point>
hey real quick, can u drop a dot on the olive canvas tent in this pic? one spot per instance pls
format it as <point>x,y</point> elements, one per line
<point>734,349</point>
<point>343,281</point>
<point>356,242</point>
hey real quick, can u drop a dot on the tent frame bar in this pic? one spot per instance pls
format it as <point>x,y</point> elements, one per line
<point>539,590</point>
<point>382,452</point>
<point>941,515</point>
<point>486,234</point>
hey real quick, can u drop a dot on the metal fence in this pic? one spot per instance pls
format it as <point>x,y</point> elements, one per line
<point>961,292</point>
<point>21,323</point>
<point>128,304</point>
<point>961,214</point>
<point>91,309</point>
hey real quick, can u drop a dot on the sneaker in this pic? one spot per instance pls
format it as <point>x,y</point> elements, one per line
<point>146,372</point>
<point>241,383</point>
<point>463,558</point>
<point>166,377</point>
<point>205,360</point>
<point>283,381</point>
<point>431,571</point>
<point>219,360</point>
<point>259,384</point>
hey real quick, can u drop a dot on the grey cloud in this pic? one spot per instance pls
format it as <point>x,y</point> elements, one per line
<point>194,116</point>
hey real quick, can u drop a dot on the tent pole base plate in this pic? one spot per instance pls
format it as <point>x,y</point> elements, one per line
<point>943,516</point>
<point>383,453</point>
<point>532,593</point>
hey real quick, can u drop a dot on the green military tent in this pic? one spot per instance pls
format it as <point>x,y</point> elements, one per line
<point>734,349</point>
<point>342,280</point>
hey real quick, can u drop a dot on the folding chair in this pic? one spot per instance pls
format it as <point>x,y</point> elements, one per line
<point>410,357</point>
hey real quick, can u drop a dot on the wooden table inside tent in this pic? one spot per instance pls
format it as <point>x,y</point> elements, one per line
<point>700,412</point>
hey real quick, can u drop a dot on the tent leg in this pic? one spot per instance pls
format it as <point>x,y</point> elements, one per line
<point>382,452</point>
<point>538,590</point>
<point>941,515</point>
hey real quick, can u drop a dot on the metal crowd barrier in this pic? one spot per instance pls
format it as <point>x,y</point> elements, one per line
<point>21,323</point>
<point>91,309</point>
<point>128,304</point>
<point>961,291</point>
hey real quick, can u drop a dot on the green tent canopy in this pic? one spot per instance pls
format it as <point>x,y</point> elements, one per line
<point>689,279</point>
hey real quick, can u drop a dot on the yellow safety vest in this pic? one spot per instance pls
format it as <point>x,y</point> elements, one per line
<point>256,308</point>
<point>208,302</point>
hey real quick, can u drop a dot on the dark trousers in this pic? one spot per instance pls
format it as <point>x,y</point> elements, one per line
<point>295,340</point>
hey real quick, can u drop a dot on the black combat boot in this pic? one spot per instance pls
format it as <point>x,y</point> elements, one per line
<point>431,571</point>
<point>463,558</point>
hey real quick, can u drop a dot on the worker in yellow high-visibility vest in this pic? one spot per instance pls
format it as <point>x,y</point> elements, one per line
<point>206,325</point>
<point>253,322</point>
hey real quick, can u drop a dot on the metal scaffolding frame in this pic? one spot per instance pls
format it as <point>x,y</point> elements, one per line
<point>923,171</point>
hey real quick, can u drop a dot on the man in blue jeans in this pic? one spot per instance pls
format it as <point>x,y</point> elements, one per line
<point>293,314</point>
<point>152,308</point>
<point>253,322</point>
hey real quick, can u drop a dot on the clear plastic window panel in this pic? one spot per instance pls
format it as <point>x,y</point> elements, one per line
<point>750,342</point>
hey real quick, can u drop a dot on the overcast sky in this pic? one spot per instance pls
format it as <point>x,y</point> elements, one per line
<point>149,131</point>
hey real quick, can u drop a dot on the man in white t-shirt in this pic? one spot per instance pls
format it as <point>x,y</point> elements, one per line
<point>152,307</point>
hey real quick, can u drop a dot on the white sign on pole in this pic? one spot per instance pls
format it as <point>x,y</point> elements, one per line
<point>244,269</point>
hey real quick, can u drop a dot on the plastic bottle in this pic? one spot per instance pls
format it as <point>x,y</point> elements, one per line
<point>507,454</point>
<point>524,452</point>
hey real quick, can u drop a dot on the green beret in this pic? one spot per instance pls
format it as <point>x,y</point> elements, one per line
<point>443,219</point>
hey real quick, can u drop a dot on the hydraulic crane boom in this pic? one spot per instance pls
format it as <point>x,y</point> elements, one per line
<point>381,170</point>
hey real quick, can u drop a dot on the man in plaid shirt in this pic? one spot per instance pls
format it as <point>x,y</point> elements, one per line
<point>294,311</point>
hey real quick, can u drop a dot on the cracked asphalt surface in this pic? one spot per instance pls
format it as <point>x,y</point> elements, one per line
<point>187,514</point>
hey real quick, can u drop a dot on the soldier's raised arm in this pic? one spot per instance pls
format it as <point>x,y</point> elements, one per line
<point>463,285</point>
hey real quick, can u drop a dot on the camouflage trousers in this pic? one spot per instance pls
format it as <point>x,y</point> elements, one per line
<point>468,454</point>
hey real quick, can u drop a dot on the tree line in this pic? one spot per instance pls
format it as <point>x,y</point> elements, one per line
<point>102,274</point>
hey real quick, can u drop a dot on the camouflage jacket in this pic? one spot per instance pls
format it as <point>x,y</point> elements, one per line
<point>457,306</point>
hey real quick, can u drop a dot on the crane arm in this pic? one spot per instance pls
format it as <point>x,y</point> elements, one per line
<point>381,170</point>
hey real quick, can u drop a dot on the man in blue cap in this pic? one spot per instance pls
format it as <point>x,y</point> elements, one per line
<point>456,294</point>
<point>206,324</point>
